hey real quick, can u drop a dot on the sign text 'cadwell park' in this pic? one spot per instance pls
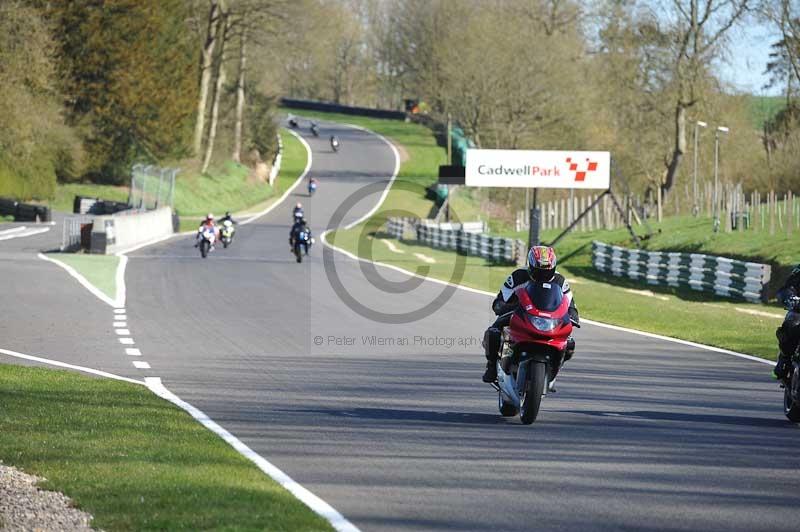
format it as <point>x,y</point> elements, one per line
<point>538,169</point>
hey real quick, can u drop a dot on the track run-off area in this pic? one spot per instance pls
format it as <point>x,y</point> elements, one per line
<point>362,383</point>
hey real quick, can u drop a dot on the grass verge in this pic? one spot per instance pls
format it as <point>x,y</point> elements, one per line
<point>100,270</point>
<point>103,444</point>
<point>680,314</point>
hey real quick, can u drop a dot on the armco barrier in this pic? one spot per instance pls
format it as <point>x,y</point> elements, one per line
<point>504,250</point>
<point>115,233</point>
<point>706,273</point>
<point>311,105</point>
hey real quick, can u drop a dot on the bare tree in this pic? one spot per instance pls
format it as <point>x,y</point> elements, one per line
<point>206,68</point>
<point>699,28</point>
<point>224,32</point>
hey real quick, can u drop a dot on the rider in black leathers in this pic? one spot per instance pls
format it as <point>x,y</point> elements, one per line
<point>789,332</point>
<point>299,225</point>
<point>506,303</point>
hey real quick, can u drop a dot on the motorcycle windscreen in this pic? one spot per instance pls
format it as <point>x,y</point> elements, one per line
<point>545,296</point>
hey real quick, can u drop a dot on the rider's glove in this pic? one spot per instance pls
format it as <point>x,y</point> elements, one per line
<point>793,303</point>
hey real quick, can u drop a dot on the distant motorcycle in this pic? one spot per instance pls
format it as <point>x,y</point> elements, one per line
<point>314,129</point>
<point>334,144</point>
<point>302,244</point>
<point>206,236</point>
<point>293,122</point>
<point>312,187</point>
<point>226,233</point>
<point>791,384</point>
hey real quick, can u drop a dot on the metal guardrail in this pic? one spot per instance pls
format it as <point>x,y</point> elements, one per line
<point>71,232</point>
<point>152,187</point>
<point>499,249</point>
<point>707,273</point>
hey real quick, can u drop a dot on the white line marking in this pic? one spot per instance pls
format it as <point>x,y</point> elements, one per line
<point>121,317</point>
<point>391,246</point>
<point>123,332</point>
<point>120,280</point>
<point>583,320</point>
<point>316,504</point>
<point>13,230</point>
<point>648,293</point>
<point>760,313</point>
<point>119,311</point>
<point>120,324</point>
<point>81,279</point>
<point>30,232</point>
<point>126,341</point>
<point>133,352</point>
<point>141,365</point>
<point>69,366</point>
<point>425,258</point>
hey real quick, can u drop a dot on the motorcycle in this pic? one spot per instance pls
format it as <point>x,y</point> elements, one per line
<point>304,241</point>
<point>293,123</point>
<point>226,233</point>
<point>206,237</point>
<point>791,383</point>
<point>314,129</point>
<point>334,144</point>
<point>312,187</point>
<point>534,345</point>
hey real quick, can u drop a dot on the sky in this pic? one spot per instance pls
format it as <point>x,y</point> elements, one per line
<point>748,56</point>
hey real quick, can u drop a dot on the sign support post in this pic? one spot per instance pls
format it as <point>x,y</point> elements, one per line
<point>534,223</point>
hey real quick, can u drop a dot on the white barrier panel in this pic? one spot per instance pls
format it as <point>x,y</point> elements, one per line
<point>111,234</point>
<point>538,169</point>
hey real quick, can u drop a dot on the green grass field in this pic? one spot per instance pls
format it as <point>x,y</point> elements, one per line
<point>103,443</point>
<point>100,270</point>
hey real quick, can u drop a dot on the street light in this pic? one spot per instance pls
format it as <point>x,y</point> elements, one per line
<point>697,125</point>
<point>720,129</point>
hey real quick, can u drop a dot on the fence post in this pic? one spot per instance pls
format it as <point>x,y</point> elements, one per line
<point>789,213</point>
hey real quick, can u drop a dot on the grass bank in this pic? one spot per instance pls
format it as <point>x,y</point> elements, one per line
<point>103,444</point>
<point>99,270</point>
<point>681,314</point>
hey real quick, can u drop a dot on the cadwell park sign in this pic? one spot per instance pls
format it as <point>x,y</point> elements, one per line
<point>538,169</point>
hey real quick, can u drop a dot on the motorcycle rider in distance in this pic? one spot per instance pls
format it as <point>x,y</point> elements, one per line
<point>299,226</point>
<point>297,213</point>
<point>788,333</point>
<point>314,129</point>
<point>334,143</point>
<point>312,185</point>
<point>228,217</point>
<point>541,268</point>
<point>207,223</point>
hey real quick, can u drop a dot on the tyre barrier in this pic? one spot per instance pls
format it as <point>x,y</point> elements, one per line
<point>24,212</point>
<point>90,205</point>
<point>706,273</point>
<point>497,249</point>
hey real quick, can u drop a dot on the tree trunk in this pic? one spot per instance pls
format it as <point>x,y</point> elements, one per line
<point>680,147</point>
<point>218,87</point>
<point>237,132</point>
<point>206,64</point>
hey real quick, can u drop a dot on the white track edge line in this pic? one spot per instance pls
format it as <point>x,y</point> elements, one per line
<point>13,230</point>
<point>316,504</point>
<point>26,234</point>
<point>81,279</point>
<point>60,364</point>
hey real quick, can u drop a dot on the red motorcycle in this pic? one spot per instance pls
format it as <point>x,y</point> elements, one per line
<point>534,345</point>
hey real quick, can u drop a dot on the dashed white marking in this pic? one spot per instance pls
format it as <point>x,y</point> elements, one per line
<point>121,317</point>
<point>123,332</point>
<point>119,311</point>
<point>391,246</point>
<point>316,504</point>
<point>126,341</point>
<point>648,293</point>
<point>425,258</point>
<point>68,366</point>
<point>759,313</point>
<point>120,324</point>
<point>141,365</point>
<point>133,352</point>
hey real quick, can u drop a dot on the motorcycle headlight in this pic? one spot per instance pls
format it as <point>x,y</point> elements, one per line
<point>543,324</point>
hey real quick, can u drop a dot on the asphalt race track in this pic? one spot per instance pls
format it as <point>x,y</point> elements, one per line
<point>389,422</point>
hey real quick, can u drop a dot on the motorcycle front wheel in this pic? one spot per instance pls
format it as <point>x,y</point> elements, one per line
<point>534,388</point>
<point>204,245</point>
<point>790,407</point>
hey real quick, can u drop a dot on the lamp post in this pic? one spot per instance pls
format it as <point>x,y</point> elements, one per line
<point>697,126</point>
<point>720,129</point>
